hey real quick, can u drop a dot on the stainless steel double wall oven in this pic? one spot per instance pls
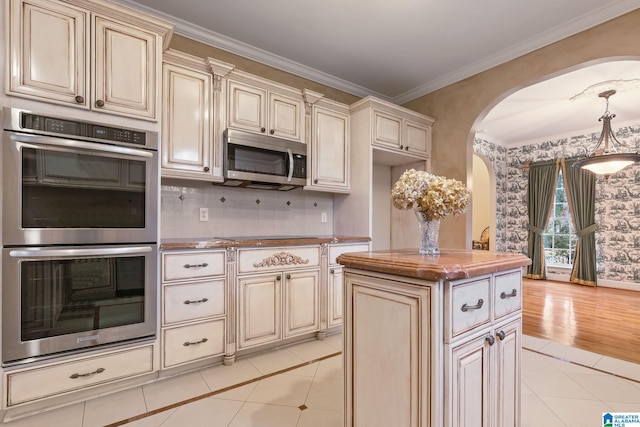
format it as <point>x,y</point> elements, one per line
<point>79,235</point>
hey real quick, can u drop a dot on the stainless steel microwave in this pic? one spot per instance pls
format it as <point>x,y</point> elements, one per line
<point>263,162</point>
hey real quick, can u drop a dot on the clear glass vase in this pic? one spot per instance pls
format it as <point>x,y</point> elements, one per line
<point>429,232</point>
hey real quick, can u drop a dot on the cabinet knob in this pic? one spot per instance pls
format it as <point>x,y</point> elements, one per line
<point>80,99</point>
<point>100,103</point>
<point>315,181</point>
<point>401,146</point>
<point>206,168</point>
<point>278,278</point>
<point>501,335</point>
<point>332,271</point>
<point>272,131</point>
<point>490,339</point>
<point>288,276</point>
<point>262,130</point>
<point>406,148</point>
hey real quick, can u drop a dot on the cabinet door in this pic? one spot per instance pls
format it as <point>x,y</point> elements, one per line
<point>330,150</point>
<point>48,51</point>
<point>247,107</point>
<point>260,309</point>
<point>417,139</point>
<point>285,116</point>
<point>387,130</point>
<point>334,297</point>
<point>469,370</point>
<point>302,304</point>
<point>125,69</point>
<point>186,120</point>
<point>507,375</point>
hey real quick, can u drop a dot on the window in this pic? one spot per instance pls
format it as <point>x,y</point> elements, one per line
<point>559,237</point>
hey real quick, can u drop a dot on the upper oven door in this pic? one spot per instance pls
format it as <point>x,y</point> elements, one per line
<point>65,191</point>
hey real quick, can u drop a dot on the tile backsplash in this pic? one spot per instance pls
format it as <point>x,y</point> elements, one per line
<point>242,212</point>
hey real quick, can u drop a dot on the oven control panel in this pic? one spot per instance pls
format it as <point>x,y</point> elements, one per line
<point>76,128</point>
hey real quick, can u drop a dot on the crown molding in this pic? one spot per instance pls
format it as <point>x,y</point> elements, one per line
<point>581,23</point>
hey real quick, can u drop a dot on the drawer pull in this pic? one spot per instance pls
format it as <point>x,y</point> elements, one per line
<point>97,371</point>
<point>196,301</point>
<point>490,339</point>
<point>466,307</point>
<point>501,335</point>
<point>187,344</point>
<point>505,295</point>
<point>204,264</point>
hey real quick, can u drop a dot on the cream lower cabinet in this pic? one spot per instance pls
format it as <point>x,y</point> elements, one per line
<point>335,309</point>
<point>278,294</point>
<point>422,353</point>
<point>194,306</point>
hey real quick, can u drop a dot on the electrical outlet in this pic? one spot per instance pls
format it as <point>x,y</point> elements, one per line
<point>204,214</point>
<point>323,217</point>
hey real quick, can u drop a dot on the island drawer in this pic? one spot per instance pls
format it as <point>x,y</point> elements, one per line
<point>193,265</point>
<point>507,293</point>
<point>192,301</point>
<point>468,305</point>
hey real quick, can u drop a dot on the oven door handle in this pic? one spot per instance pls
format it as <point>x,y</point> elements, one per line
<point>71,143</point>
<point>71,253</point>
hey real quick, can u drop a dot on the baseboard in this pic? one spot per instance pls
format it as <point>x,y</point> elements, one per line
<point>632,286</point>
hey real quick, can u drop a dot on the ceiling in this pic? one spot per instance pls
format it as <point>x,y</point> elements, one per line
<point>402,49</point>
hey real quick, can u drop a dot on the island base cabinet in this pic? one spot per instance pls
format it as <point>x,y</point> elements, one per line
<point>386,357</point>
<point>484,379</point>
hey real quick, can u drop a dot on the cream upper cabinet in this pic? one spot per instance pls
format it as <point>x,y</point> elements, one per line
<point>261,106</point>
<point>401,130</point>
<point>329,147</point>
<point>186,120</point>
<point>94,56</point>
<point>192,98</point>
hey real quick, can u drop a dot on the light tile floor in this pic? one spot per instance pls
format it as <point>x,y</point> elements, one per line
<point>561,386</point>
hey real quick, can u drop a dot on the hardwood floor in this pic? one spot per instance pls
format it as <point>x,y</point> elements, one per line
<point>601,320</point>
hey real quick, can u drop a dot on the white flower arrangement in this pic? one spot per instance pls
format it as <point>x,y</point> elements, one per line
<point>434,196</point>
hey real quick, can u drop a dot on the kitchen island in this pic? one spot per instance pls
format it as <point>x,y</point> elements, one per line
<point>432,340</point>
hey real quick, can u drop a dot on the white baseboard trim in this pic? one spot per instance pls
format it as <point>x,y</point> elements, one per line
<point>632,286</point>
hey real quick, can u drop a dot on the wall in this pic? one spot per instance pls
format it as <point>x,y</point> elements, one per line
<point>241,212</point>
<point>460,108</point>
<point>481,196</point>
<point>617,201</point>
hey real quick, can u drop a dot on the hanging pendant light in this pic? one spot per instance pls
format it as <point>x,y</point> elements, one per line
<point>608,160</point>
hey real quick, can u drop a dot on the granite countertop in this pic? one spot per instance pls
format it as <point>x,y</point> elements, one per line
<point>254,241</point>
<point>449,265</point>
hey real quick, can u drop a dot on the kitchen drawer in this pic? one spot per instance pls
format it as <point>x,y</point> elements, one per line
<point>468,305</point>
<point>336,250</point>
<point>38,383</point>
<point>278,259</point>
<point>507,293</point>
<point>193,265</point>
<point>192,342</point>
<point>192,301</point>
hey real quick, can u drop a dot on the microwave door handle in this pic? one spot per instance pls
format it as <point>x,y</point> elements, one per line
<point>71,143</point>
<point>290,165</point>
<point>72,253</point>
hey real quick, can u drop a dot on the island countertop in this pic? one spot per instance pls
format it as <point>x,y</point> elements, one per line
<point>451,264</point>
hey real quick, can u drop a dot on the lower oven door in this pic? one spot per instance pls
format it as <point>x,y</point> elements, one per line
<point>65,299</point>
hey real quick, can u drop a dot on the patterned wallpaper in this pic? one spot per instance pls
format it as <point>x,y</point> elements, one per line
<point>617,200</point>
